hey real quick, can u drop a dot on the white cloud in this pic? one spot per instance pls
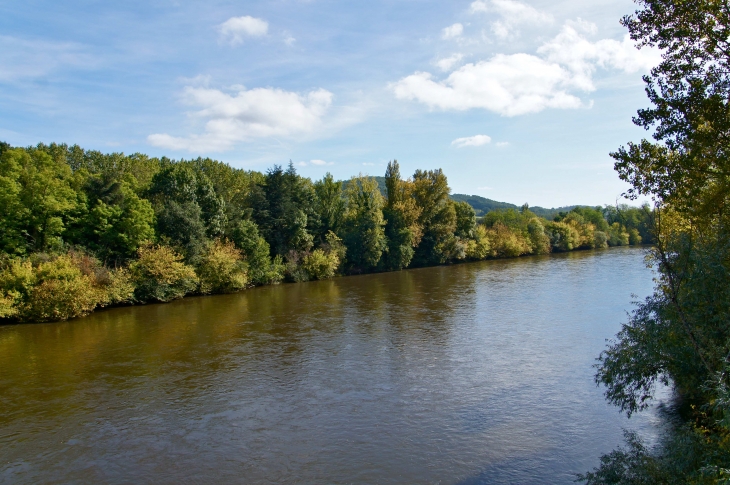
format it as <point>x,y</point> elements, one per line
<point>447,63</point>
<point>320,162</point>
<point>502,144</point>
<point>247,114</point>
<point>471,141</point>
<point>506,84</point>
<point>512,13</point>
<point>27,59</point>
<point>516,84</point>
<point>571,49</point>
<point>452,31</point>
<point>368,164</point>
<point>236,29</point>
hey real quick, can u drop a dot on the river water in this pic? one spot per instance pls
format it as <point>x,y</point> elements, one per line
<point>469,374</point>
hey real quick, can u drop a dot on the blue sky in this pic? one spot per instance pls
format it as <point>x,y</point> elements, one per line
<point>519,101</point>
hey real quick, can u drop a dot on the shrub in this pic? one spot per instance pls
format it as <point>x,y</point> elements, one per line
<point>600,239</point>
<point>320,265</point>
<point>261,269</point>
<point>294,269</point>
<point>563,237</point>
<point>539,241</point>
<point>222,269</point>
<point>506,243</point>
<point>59,287</point>
<point>634,237</point>
<point>160,275</point>
<point>478,247</point>
<point>617,236</point>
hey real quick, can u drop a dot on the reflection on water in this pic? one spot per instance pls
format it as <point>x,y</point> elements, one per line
<point>469,374</point>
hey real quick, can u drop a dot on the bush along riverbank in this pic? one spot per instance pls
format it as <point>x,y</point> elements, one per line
<point>80,230</point>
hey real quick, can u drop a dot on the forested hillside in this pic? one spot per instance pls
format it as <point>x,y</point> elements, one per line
<point>81,229</point>
<point>482,205</point>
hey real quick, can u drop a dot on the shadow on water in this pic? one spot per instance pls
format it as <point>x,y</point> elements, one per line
<point>474,373</point>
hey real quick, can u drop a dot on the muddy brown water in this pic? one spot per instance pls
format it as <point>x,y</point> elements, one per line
<point>468,374</point>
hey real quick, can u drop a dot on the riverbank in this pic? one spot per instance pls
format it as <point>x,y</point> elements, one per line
<point>82,285</point>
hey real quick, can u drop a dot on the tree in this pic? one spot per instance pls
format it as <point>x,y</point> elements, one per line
<point>438,216</point>
<point>689,90</point>
<point>330,205</point>
<point>283,210</point>
<point>189,213</point>
<point>401,212</point>
<point>37,201</point>
<point>679,334</point>
<point>364,235</point>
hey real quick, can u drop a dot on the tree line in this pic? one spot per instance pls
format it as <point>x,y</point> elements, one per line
<point>80,229</point>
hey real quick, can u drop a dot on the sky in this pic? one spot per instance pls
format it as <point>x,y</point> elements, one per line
<point>517,101</point>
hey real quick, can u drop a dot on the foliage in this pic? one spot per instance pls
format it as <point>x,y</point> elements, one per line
<point>159,274</point>
<point>37,200</point>
<point>437,217</point>
<point>59,287</point>
<point>364,235</point>
<point>330,204</point>
<point>401,212</point>
<point>680,334</point>
<point>222,269</point>
<point>284,211</point>
<point>261,269</point>
<point>242,228</point>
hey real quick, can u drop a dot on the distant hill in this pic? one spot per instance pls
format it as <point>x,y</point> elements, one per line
<point>483,205</point>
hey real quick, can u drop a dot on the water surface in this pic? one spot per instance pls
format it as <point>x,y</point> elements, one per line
<point>469,374</point>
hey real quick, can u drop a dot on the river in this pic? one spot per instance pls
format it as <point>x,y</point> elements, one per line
<point>476,373</point>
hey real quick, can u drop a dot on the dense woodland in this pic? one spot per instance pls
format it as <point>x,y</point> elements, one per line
<point>680,335</point>
<point>81,229</point>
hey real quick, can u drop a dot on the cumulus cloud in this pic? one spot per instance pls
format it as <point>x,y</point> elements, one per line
<point>506,84</point>
<point>512,15</point>
<point>502,144</point>
<point>247,114</point>
<point>516,84</point>
<point>320,162</point>
<point>571,49</point>
<point>447,63</point>
<point>236,29</point>
<point>471,141</point>
<point>452,31</point>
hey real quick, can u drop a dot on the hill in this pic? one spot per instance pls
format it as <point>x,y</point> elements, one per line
<point>483,205</point>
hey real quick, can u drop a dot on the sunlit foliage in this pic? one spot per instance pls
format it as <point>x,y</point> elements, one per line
<point>158,229</point>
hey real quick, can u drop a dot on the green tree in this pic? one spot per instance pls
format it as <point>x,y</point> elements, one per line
<point>364,234</point>
<point>438,216</point>
<point>401,212</point>
<point>261,270</point>
<point>38,199</point>
<point>284,210</point>
<point>679,335</point>
<point>188,211</point>
<point>330,205</point>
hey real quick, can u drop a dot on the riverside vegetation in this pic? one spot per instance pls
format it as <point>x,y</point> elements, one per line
<point>680,335</point>
<point>81,230</point>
